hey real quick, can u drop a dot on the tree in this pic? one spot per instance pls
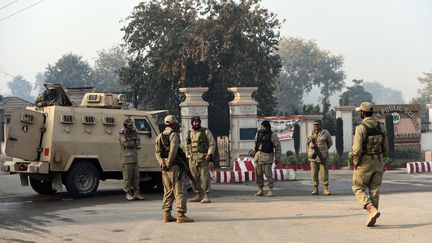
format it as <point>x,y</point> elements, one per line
<point>69,71</point>
<point>425,95</point>
<point>105,75</point>
<point>192,43</point>
<point>21,88</point>
<point>304,65</point>
<point>355,94</point>
<point>383,95</point>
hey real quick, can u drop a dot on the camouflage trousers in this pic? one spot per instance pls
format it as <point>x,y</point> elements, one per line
<point>366,182</point>
<point>131,177</point>
<point>260,171</point>
<point>201,175</point>
<point>174,188</point>
<point>322,169</point>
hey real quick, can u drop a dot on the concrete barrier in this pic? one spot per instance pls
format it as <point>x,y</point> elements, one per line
<point>419,167</point>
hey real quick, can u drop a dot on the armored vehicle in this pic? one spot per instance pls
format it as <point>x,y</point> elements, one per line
<point>77,145</point>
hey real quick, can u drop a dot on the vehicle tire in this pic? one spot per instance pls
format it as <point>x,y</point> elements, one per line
<point>82,180</point>
<point>42,187</point>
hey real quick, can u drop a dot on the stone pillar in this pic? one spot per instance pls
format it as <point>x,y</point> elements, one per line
<point>305,128</point>
<point>243,121</point>
<point>345,112</point>
<point>429,106</point>
<point>193,105</point>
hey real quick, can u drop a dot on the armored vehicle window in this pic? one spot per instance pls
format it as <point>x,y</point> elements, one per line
<point>67,119</point>
<point>27,118</point>
<point>109,121</point>
<point>89,120</point>
<point>142,125</point>
<point>93,98</point>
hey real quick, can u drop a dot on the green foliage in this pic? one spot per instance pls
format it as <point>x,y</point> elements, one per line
<point>310,109</point>
<point>69,71</point>
<point>387,160</point>
<point>289,153</point>
<point>105,75</point>
<point>195,43</point>
<point>304,65</point>
<point>21,88</point>
<point>355,94</point>
<point>349,158</point>
<point>390,134</point>
<point>339,136</point>
<point>296,137</point>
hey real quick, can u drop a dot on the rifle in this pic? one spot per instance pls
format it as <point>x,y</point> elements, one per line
<point>184,165</point>
<point>317,152</point>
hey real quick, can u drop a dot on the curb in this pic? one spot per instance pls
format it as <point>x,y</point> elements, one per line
<point>419,167</point>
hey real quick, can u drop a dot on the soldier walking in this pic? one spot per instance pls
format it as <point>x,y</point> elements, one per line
<point>319,142</point>
<point>130,143</point>
<point>369,146</point>
<point>267,150</point>
<point>200,148</point>
<point>173,177</point>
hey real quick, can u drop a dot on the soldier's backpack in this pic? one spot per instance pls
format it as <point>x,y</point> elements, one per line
<point>374,142</point>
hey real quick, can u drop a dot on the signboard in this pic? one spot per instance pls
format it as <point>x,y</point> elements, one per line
<point>282,125</point>
<point>406,120</point>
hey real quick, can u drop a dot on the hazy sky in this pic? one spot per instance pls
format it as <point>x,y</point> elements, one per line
<point>388,41</point>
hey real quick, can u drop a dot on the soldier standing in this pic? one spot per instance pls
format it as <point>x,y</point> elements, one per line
<point>369,146</point>
<point>200,148</point>
<point>267,150</point>
<point>319,141</point>
<point>130,142</point>
<point>173,178</point>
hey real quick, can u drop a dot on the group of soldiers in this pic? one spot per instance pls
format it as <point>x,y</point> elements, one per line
<point>369,147</point>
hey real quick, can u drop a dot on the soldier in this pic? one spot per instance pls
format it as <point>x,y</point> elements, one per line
<point>173,177</point>
<point>130,142</point>
<point>319,141</point>
<point>369,147</point>
<point>200,146</point>
<point>47,98</point>
<point>267,150</point>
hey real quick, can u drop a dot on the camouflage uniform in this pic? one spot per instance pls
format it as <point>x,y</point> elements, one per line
<point>369,168</point>
<point>173,178</point>
<point>369,147</point>
<point>130,142</point>
<point>47,98</point>
<point>265,160</point>
<point>200,143</point>
<point>323,141</point>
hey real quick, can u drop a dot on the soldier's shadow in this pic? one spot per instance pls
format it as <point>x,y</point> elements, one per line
<point>400,226</point>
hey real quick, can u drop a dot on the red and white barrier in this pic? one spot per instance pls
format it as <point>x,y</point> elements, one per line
<point>243,176</point>
<point>419,167</point>
<point>244,164</point>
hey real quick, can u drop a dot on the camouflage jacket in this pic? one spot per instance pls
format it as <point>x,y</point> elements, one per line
<point>129,142</point>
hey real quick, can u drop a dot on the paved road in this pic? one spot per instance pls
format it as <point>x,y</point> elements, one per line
<point>234,216</point>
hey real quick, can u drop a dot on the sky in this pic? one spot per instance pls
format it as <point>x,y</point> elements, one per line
<point>388,41</point>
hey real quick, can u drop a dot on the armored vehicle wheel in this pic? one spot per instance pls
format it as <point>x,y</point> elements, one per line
<point>42,187</point>
<point>82,180</point>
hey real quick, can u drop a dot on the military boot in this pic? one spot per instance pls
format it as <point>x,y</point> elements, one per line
<point>315,190</point>
<point>373,214</point>
<point>259,193</point>
<point>326,191</point>
<point>129,196</point>
<point>197,198</point>
<point>182,218</point>
<point>270,193</point>
<point>137,195</point>
<point>206,199</point>
<point>167,217</point>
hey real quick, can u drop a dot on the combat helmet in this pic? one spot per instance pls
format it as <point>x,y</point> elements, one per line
<point>128,122</point>
<point>170,119</point>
